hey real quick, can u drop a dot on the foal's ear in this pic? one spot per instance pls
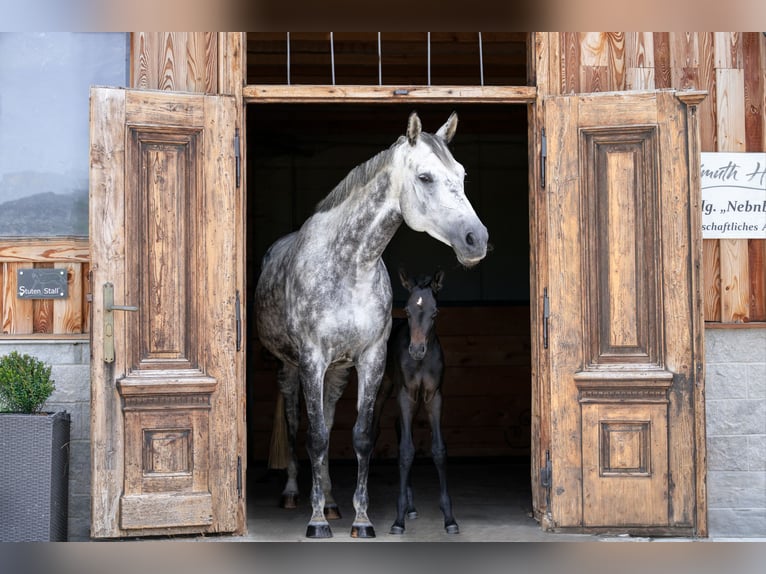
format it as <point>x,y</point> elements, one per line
<point>447,131</point>
<point>406,283</point>
<point>437,281</point>
<point>413,128</point>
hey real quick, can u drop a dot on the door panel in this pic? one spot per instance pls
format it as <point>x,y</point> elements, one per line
<point>165,446</point>
<point>624,340</point>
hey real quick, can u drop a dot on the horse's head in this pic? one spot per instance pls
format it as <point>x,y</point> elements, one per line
<point>432,195</point>
<point>421,310</point>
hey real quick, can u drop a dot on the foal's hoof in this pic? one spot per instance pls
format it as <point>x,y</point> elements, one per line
<point>396,529</point>
<point>318,531</point>
<point>412,513</point>
<point>332,512</point>
<point>362,531</point>
<point>452,528</point>
<point>289,501</point>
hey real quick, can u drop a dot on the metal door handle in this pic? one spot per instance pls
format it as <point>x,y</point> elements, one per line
<point>109,307</point>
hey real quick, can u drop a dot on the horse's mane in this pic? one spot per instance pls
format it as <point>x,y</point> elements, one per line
<point>356,178</point>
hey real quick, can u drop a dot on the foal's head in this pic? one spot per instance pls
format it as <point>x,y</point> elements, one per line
<point>421,310</point>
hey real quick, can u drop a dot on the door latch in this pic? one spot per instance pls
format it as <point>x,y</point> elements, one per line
<point>109,308</point>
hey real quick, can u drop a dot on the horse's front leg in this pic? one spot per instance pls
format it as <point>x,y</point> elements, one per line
<point>369,368</point>
<point>439,453</point>
<point>335,383</point>
<point>317,442</point>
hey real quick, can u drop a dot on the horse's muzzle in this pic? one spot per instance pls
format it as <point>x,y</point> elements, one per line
<point>417,352</point>
<point>471,246</point>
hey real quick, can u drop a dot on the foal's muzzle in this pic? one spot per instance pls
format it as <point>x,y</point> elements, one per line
<point>417,351</point>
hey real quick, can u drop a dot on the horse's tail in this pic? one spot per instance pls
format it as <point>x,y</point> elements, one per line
<point>279,451</point>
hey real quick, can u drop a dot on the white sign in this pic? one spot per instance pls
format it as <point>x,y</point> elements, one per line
<point>733,195</point>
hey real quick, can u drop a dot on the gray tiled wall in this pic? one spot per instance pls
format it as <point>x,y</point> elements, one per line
<point>736,431</point>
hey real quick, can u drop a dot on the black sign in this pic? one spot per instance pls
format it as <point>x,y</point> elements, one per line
<point>41,284</point>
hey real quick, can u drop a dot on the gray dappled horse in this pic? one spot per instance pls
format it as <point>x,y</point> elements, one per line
<point>323,299</point>
<point>414,370</point>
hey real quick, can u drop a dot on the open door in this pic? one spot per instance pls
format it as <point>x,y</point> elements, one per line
<point>624,331</point>
<point>165,397</point>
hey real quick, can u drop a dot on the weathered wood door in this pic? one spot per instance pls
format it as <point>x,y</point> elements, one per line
<point>165,399</point>
<point>624,330</point>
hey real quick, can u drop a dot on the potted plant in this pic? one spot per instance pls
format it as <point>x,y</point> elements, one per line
<point>34,454</point>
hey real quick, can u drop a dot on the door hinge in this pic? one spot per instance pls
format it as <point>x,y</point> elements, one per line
<point>543,157</point>
<point>237,156</point>
<point>546,472</point>
<point>546,479</point>
<point>238,320</point>
<point>546,315</point>
<point>239,477</point>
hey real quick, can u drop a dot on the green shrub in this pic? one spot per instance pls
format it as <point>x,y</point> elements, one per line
<point>25,383</point>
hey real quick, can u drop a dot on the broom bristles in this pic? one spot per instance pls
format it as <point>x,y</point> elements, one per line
<point>278,448</point>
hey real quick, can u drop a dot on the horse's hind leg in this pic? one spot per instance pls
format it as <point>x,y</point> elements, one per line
<point>439,454</point>
<point>289,386</point>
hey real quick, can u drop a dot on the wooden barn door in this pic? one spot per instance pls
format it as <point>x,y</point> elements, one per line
<point>165,404</point>
<point>624,327</point>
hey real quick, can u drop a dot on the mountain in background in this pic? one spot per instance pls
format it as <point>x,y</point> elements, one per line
<point>44,214</point>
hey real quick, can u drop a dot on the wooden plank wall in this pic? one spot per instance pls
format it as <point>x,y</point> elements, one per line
<point>731,66</point>
<point>176,61</point>
<point>45,317</point>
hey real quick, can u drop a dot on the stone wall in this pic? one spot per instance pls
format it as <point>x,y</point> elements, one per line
<point>736,431</point>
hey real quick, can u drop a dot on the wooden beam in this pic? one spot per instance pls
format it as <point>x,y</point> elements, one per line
<point>389,94</point>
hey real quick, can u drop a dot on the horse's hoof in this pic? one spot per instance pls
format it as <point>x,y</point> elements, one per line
<point>332,512</point>
<point>412,513</point>
<point>452,528</point>
<point>318,531</point>
<point>289,501</point>
<point>396,529</point>
<point>362,531</point>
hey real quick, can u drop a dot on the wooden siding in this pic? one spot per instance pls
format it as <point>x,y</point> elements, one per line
<point>731,67</point>
<point>45,317</point>
<point>175,61</point>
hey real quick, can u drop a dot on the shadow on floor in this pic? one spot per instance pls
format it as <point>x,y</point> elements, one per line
<point>491,501</point>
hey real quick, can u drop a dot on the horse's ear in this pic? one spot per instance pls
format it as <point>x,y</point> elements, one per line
<point>447,131</point>
<point>437,281</point>
<point>405,279</point>
<point>413,128</point>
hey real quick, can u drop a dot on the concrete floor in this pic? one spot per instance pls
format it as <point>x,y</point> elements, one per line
<point>491,501</point>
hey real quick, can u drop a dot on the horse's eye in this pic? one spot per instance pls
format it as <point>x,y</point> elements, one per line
<point>425,177</point>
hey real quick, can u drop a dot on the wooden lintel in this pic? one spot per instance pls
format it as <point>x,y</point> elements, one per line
<point>389,94</point>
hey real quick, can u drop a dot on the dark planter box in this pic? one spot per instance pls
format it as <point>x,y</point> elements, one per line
<point>34,476</point>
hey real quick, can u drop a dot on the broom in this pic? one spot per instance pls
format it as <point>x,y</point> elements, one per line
<point>278,447</point>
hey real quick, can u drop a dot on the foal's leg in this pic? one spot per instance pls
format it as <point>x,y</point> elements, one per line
<point>317,440</point>
<point>433,406</point>
<point>369,369</point>
<point>289,386</point>
<point>404,504</point>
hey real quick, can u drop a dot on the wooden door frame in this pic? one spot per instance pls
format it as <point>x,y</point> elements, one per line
<point>542,73</point>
